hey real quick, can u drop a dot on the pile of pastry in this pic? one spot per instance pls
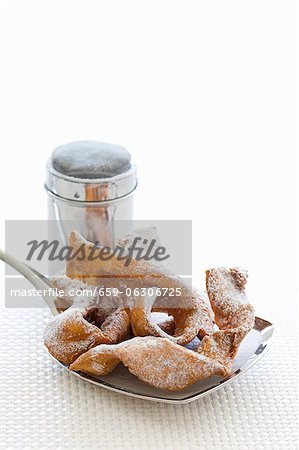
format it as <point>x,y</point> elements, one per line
<point>95,339</point>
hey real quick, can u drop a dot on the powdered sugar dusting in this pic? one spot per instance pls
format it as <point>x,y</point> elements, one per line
<point>69,335</point>
<point>160,361</point>
<point>154,360</point>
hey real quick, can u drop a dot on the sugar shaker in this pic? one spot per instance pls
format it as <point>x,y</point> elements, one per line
<point>90,186</point>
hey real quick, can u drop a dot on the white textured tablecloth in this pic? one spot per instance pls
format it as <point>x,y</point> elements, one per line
<point>42,406</point>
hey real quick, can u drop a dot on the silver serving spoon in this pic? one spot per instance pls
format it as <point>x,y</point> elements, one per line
<point>38,280</point>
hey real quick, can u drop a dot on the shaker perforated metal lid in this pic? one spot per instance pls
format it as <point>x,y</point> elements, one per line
<point>90,171</point>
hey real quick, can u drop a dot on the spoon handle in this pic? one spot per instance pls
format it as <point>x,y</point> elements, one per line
<point>37,279</point>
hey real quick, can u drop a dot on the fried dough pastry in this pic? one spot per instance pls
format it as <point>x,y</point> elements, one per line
<point>191,314</point>
<point>167,325</point>
<point>233,314</point>
<point>65,286</point>
<point>70,334</point>
<point>156,361</point>
<point>166,365</point>
<point>188,322</point>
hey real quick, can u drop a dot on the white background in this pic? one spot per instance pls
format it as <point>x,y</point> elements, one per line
<point>204,95</point>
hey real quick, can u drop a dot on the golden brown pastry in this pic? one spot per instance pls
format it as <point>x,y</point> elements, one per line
<point>191,314</point>
<point>68,288</point>
<point>69,334</point>
<point>166,365</point>
<point>233,314</point>
<point>167,325</point>
<point>156,361</point>
<point>188,322</point>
